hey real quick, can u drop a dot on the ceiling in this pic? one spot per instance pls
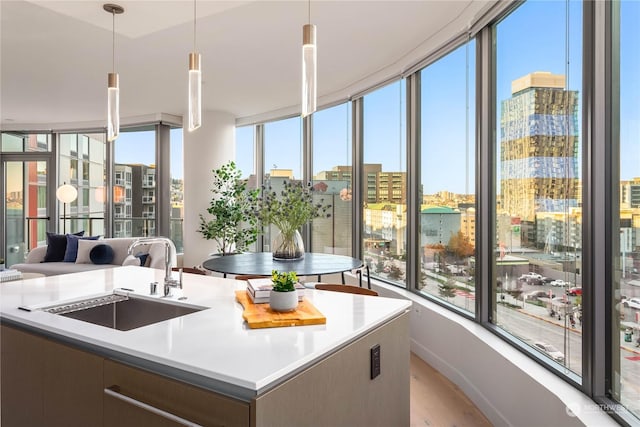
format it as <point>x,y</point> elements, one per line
<point>55,55</point>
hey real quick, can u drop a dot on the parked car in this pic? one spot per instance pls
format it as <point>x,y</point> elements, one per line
<point>550,350</point>
<point>546,280</point>
<point>576,290</point>
<point>559,282</point>
<point>535,295</point>
<point>531,275</point>
<point>535,282</point>
<point>632,302</point>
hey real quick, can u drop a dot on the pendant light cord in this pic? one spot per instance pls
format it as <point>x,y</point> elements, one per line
<point>113,44</point>
<point>309,12</point>
<point>194,26</point>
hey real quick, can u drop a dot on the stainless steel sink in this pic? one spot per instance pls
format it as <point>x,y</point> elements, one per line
<point>122,312</point>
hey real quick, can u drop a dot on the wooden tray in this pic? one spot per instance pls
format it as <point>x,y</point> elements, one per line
<point>261,315</point>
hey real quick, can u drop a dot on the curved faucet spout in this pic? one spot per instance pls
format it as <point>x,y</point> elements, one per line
<point>168,246</point>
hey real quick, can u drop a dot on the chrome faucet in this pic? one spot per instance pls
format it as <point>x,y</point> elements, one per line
<point>169,282</point>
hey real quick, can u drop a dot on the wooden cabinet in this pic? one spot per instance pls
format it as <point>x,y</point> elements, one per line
<point>134,397</point>
<point>21,390</point>
<point>339,391</point>
<point>47,383</point>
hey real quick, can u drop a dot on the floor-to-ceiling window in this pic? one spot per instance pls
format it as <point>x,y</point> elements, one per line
<point>332,179</point>
<point>245,152</point>
<point>25,162</point>
<point>134,195</point>
<point>81,163</point>
<point>626,268</point>
<point>176,220</point>
<point>537,293</point>
<point>448,201</point>
<point>282,159</point>
<point>245,160</point>
<point>385,182</point>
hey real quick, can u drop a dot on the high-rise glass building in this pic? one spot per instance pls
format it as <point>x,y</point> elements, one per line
<point>539,146</point>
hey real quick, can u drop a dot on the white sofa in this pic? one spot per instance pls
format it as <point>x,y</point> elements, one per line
<point>34,262</point>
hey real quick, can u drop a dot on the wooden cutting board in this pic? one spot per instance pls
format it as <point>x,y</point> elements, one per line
<point>261,315</point>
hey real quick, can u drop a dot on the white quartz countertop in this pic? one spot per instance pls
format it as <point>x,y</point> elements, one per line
<point>214,344</point>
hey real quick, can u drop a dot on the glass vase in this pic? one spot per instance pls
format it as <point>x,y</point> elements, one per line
<point>287,247</point>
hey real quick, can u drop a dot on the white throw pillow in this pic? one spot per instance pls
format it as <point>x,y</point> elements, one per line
<point>84,250</point>
<point>131,260</point>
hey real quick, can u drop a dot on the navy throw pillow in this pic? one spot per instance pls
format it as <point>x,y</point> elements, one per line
<point>142,257</point>
<point>71,252</point>
<point>101,254</point>
<point>57,245</point>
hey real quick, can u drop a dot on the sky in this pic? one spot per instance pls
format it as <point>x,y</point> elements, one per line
<point>139,147</point>
<point>532,38</point>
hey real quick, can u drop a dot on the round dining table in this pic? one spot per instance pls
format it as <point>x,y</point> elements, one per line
<point>263,263</point>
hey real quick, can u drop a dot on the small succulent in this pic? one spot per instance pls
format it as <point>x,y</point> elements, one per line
<point>285,281</point>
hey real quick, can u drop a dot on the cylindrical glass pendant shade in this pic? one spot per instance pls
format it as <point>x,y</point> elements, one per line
<point>195,92</point>
<point>113,107</point>
<point>308,69</point>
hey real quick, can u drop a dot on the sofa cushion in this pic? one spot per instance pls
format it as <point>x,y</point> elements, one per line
<point>131,260</point>
<point>101,254</point>
<point>84,249</point>
<point>57,245</point>
<point>120,245</point>
<point>71,253</point>
<point>144,258</point>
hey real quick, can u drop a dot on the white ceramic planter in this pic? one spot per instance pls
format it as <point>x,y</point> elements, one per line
<point>283,301</point>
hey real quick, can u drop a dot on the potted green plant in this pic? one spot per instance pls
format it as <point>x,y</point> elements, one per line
<point>231,221</point>
<point>289,209</point>
<point>283,295</point>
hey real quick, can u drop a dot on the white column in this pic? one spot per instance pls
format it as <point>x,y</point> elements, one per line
<point>205,149</point>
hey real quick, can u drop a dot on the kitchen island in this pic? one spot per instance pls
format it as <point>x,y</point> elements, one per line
<point>202,368</point>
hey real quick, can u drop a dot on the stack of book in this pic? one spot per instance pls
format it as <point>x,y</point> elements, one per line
<point>8,274</point>
<point>259,290</point>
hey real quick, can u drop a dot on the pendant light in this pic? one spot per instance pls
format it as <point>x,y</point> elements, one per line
<point>309,62</point>
<point>195,82</point>
<point>113,90</point>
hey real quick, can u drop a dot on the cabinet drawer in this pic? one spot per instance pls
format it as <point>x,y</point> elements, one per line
<point>134,397</point>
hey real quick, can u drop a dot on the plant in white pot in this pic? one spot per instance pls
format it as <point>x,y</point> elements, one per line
<point>289,209</point>
<point>283,295</point>
<point>232,222</point>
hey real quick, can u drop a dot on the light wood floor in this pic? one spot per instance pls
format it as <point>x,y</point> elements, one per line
<point>436,401</point>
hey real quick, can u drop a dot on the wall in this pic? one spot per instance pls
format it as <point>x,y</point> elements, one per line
<point>205,149</point>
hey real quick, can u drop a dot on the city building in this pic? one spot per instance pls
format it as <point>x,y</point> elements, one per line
<point>438,225</point>
<point>468,223</point>
<point>385,228</point>
<point>539,146</point>
<point>134,200</point>
<point>381,186</point>
<point>630,193</point>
